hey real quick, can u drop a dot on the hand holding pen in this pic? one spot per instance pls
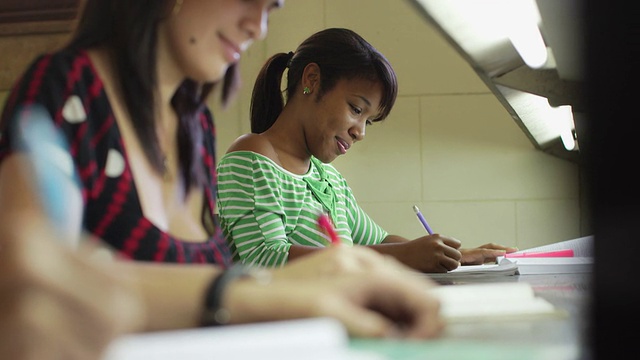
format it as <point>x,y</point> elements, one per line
<point>475,256</point>
<point>436,253</point>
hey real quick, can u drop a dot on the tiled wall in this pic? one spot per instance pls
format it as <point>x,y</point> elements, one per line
<point>448,146</point>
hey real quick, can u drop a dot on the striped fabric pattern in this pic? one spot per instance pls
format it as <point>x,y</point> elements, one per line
<point>66,84</point>
<point>264,209</point>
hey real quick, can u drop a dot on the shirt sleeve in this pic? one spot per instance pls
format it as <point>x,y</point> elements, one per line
<point>251,212</point>
<point>364,231</point>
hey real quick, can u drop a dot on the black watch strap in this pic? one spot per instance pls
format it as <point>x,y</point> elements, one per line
<point>214,313</point>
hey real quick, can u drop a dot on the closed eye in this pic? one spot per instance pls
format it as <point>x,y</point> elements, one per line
<point>356,110</point>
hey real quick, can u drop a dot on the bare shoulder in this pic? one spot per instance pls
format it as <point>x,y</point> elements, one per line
<point>255,143</point>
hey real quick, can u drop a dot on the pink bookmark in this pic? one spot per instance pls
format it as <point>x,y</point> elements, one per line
<point>556,253</point>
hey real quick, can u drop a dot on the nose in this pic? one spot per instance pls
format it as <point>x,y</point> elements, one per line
<point>256,22</point>
<point>357,132</point>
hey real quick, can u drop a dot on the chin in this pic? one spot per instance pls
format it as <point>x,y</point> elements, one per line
<point>328,159</point>
<point>210,76</point>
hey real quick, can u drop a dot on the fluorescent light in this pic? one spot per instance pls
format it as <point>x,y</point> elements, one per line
<point>521,21</point>
<point>545,123</point>
<point>562,116</point>
<point>514,47</point>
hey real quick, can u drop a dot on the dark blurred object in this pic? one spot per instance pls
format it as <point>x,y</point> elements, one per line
<point>611,149</point>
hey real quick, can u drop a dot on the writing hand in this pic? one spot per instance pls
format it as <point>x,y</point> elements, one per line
<point>484,253</point>
<point>432,253</point>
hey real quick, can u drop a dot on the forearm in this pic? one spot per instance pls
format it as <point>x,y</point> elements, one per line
<point>298,251</point>
<point>394,239</point>
<point>393,249</point>
<point>173,294</point>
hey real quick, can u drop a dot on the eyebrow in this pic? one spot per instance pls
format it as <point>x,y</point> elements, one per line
<point>364,99</point>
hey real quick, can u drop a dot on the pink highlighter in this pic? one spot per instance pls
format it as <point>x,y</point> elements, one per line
<point>325,224</point>
<point>556,253</point>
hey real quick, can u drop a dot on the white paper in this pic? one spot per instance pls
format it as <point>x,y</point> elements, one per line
<point>317,338</point>
<point>504,268</point>
<point>582,247</point>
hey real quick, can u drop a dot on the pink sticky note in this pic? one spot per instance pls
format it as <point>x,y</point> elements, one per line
<point>556,253</point>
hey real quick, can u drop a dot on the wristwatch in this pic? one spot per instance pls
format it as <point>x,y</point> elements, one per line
<point>214,314</point>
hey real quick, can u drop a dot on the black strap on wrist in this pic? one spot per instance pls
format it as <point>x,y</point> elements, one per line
<point>214,314</point>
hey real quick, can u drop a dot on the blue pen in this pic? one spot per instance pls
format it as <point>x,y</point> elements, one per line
<point>422,220</point>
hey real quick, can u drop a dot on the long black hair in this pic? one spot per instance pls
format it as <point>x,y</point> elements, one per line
<point>340,54</point>
<point>130,30</point>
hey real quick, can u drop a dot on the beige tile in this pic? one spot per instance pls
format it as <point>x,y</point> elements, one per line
<point>473,223</point>
<point>396,217</point>
<point>547,221</point>
<point>473,150</point>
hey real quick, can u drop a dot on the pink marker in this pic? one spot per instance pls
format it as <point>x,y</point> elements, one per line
<point>557,253</point>
<point>325,224</point>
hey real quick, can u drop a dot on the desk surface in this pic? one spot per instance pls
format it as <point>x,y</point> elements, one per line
<point>548,338</point>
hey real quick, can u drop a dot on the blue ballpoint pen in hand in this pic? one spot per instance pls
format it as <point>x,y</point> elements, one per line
<point>422,220</point>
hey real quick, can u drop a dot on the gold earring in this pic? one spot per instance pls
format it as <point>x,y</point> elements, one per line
<point>306,90</point>
<point>176,7</point>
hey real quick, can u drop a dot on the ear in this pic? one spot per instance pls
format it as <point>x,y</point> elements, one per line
<point>311,77</point>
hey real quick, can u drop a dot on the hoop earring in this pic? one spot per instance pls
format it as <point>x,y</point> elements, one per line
<point>176,7</point>
<point>306,90</point>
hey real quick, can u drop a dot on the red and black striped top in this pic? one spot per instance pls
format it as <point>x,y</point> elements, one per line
<point>68,86</point>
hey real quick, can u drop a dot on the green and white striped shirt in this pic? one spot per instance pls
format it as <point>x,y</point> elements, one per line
<point>264,209</point>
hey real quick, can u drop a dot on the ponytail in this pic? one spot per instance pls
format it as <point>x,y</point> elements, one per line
<point>267,99</point>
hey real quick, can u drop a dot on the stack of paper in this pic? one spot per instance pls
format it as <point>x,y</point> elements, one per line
<point>505,268</point>
<point>531,261</point>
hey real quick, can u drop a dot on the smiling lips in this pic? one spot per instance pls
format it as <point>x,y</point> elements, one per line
<point>343,146</point>
<point>231,50</point>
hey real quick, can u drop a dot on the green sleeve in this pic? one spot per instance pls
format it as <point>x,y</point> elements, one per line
<point>251,211</point>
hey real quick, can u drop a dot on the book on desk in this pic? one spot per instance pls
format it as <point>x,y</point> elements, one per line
<point>565,257</point>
